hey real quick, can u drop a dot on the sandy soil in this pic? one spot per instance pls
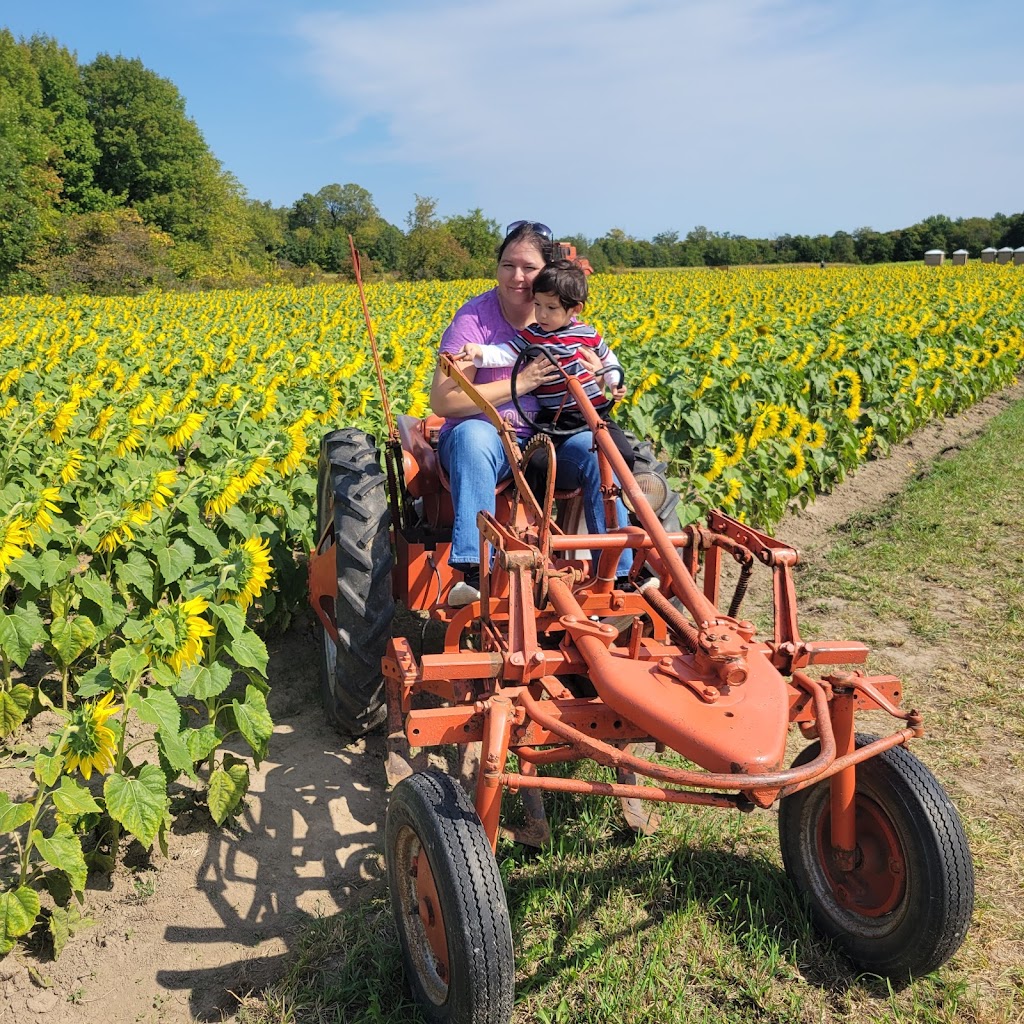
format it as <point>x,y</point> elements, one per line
<point>177,939</point>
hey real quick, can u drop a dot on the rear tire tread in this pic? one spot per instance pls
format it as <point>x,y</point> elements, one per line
<point>364,603</point>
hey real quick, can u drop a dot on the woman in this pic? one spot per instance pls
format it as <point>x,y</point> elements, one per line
<point>469,447</point>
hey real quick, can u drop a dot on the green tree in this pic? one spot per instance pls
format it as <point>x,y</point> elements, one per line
<point>909,245</point>
<point>153,156</point>
<point>75,152</point>
<point>29,186</point>
<point>108,252</point>
<point>479,236</point>
<point>267,228</point>
<point>431,251</point>
<point>842,248</point>
<point>347,207</point>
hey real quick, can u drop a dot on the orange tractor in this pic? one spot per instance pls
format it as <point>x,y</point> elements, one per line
<point>566,251</point>
<point>554,663</point>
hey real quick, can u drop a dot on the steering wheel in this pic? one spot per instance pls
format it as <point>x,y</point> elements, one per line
<point>549,428</point>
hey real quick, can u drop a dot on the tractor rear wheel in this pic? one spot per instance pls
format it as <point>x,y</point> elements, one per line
<point>904,909</point>
<point>352,499</point>
<point>449,903</point>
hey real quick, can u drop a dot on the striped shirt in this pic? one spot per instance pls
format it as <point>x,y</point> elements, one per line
<point>564,344</point>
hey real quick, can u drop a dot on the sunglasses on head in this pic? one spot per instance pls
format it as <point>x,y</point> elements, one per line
<point>542,229</point>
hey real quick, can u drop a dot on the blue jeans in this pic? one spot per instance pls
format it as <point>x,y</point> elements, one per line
<point>475,462</point>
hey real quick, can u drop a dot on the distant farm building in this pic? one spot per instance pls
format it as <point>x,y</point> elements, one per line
<point>988,255</point>
<point>1004,255</point>
<point>934,257</point>
<point>1018,256</point>
<point>960,257</point>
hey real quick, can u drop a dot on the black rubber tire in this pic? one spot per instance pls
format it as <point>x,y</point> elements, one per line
<point>930,915</point>
<point>352,492</point>
<point>429,812</point>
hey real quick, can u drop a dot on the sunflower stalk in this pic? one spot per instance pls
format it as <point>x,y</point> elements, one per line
<point>37,808</point>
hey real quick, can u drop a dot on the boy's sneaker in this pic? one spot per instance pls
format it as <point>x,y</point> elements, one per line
<point>467,590</point>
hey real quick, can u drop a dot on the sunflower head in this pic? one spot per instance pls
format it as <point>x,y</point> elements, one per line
<point>91,743</point>
<point>246,571</point>
<point>176,633</point>
<point>15,538</point>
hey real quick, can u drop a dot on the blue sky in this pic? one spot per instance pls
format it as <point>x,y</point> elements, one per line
<point>756,117</point>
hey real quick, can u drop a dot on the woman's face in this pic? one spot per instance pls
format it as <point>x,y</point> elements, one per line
<point>520,263</point>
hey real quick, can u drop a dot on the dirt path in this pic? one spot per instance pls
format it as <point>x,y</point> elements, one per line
<point>175,939</point>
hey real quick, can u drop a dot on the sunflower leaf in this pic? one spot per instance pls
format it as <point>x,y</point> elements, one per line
<point>63,850</point>
<point>254,722</point>
<point>202,742</point>
<point>48,768</point>
<point>249,651</point>
<point>201,533</point>
<point>232,616</point>
<point>64,922</point>
<point>174,747</point>
<point>227,787</point>
<point>137,572</point>
<point>20,630</point>
<point>96,681</point>
<point>14,705</point>
<point>238,521</point>
<point>138,803</point>
<point>55,569</point>
<point>71,638</point>
<point>175,560</point>
<point>27,569</point>
<point>130,660</point>
<point>13,815</point>
<point>72,798</point>
<point>210,681</point>
<point>97,589</point>
<point>157,707</point>
<point>19,909</point>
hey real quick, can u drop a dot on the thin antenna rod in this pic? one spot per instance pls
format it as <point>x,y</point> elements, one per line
<point>392,432</point>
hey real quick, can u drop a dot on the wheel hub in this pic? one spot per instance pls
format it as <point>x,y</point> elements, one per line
<point>877,882</point>
<point>428,909</point>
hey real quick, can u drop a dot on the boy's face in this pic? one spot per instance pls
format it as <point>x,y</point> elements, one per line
<point>550,313</point>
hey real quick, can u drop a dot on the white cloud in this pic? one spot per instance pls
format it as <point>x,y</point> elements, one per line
<point>653,111</point>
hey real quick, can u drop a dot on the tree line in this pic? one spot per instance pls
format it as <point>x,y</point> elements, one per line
<point>107,186</point>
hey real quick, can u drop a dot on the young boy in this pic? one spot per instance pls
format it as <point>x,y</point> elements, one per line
<point>559,295</point>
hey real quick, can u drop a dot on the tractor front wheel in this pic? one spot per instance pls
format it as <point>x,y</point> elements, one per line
<point>449,903</point>
<point>903,909</point>
<point>352,507</point>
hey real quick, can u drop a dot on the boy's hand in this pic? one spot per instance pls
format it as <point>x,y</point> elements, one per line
<point>618,392</point>
<point>470,351</point>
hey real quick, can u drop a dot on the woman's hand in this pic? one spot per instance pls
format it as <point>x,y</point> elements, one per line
<point>536,372</point>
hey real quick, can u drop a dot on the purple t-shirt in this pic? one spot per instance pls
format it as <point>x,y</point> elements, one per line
<point>480,322</point>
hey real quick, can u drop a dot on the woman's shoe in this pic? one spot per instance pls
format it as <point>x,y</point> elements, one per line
<point>467,590</point>
<point>462,594</point>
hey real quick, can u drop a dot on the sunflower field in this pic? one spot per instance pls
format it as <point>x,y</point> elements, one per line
<point>157,492</point>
